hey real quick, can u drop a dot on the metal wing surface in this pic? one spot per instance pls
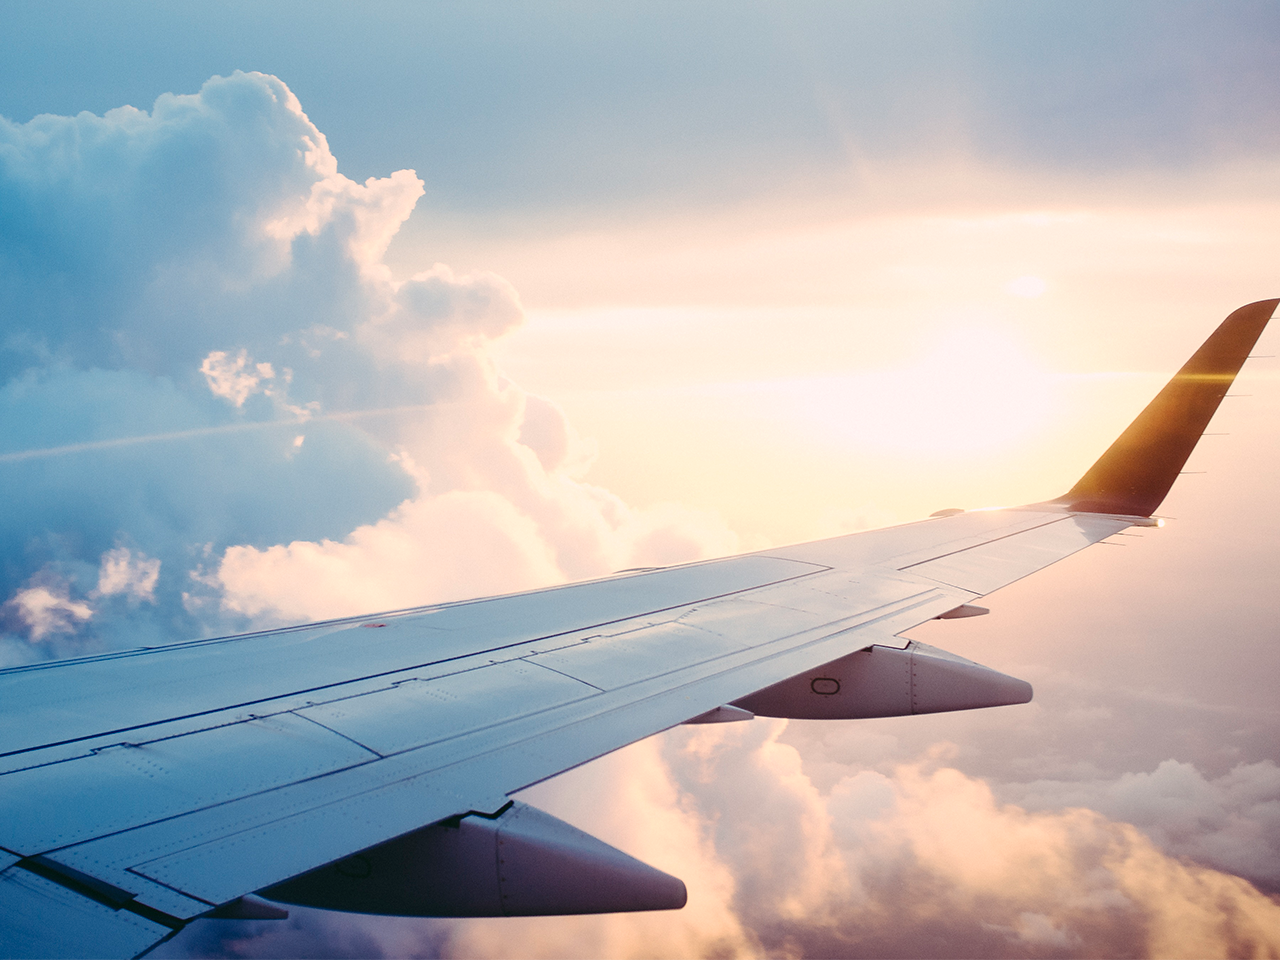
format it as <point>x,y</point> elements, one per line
<point>142,789</point>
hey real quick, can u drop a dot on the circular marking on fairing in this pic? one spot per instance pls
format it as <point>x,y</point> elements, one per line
<point>824,686</point>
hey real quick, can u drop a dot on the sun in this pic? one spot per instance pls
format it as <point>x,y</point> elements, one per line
<point>973,390</point>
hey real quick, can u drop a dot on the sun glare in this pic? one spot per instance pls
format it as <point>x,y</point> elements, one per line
<point>1029,286</point>
<point>974,390</point>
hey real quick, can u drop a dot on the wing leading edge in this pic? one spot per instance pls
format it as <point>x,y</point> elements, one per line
<point>280,763</point>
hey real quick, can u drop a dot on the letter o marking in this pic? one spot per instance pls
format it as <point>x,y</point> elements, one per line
<point>824,686</point>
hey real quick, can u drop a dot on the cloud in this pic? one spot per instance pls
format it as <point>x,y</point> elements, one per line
<point>122,572</point>
<point>227,377</point>
<point>922,860</point>
<point>434,313</point>
<point>1034,883</point>
<point>457,545</point>
<point>47,609</point>
<point>168,470</point>
<point>234,378</point>
<point>1231,822</point>
<point>448,547</point>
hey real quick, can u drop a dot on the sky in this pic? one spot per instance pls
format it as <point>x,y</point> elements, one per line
<point>317,309</point>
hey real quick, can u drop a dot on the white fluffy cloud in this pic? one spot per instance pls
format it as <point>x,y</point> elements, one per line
<point>234,378</point>
<point>1231,822</point>
<point>46,609</point>
<point>121,571</point>
<point>185,278</point>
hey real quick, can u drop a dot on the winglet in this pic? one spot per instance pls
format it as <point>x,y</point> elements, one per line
<point>1136,472</point>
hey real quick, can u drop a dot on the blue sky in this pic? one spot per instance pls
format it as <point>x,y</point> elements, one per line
<point>436,301</point>
<point>535,106</point>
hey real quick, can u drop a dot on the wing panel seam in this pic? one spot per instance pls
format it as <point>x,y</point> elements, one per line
<point>336,733</point>
<point>984,543</point>
<point>567,676</point>
<point>817,568</point>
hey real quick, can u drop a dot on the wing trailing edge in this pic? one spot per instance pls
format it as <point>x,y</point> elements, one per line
<point>1133,477</point>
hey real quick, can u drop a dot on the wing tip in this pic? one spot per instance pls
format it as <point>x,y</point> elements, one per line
<point>1135,474</point>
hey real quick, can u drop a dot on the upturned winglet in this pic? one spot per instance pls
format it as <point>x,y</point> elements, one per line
<point>1136,472</point>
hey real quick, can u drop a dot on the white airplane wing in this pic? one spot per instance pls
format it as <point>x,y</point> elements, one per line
<point>366,764</point>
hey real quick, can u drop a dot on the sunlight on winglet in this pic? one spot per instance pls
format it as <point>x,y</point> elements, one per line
<point>1133,477</point>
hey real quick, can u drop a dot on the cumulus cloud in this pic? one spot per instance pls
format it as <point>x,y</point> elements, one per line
<point>1004,881</point>
<point>123,572</point>
<point>46,609</point>
<point>234,378</point>
<point>446,548</point>
<point>1231,822</point>
<point>435,313</point>
<point>920,860</point>
<point>300,433</point>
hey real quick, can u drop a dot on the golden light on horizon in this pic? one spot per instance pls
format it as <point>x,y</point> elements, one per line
<point>803,374</point>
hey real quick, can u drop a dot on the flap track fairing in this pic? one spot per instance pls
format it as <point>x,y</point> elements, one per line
<point>523,863</point>
<point>887,682</point>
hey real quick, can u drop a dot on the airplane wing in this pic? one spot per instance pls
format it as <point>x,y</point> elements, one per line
<point>366,764</point>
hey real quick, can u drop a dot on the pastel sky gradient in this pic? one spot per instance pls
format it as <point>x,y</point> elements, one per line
<point>316,309</point>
